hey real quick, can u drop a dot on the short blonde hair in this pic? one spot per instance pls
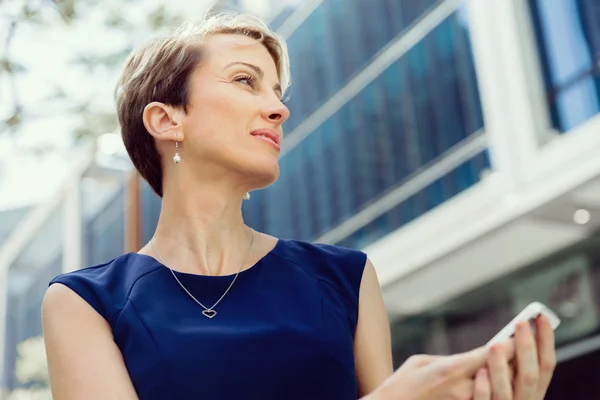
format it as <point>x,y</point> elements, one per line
<point>160,71</point>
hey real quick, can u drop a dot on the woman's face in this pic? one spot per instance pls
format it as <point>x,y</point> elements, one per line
<point>235,113</point>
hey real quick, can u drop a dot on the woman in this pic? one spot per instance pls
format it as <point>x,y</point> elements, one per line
<point>211,309</point>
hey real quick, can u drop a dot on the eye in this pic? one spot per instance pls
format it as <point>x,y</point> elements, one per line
<point>247,80</point>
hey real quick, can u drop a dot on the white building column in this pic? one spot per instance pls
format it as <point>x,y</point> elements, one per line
<point>511,86</point>
<point>72,229</point>
<point>530,103</point>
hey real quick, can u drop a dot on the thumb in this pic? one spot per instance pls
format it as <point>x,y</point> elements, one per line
<point>467,364</point>
<point>470,362</point>
<point>421,360</point>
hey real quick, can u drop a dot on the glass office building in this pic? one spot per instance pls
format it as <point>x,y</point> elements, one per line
<point>563,52</point>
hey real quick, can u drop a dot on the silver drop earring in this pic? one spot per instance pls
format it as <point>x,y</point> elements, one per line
<point>176,157</point>
<point>246,196</point>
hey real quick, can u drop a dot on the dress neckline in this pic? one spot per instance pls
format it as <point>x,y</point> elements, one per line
<point>188,275</point>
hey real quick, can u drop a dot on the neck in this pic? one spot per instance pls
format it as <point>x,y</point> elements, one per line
<point>202,231</point>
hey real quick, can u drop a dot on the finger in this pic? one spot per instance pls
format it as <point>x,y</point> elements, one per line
<point>499,374</point>
<point>508,348</point>
<point>482,387</point>
<point>546,353</point>
<point>528,371</point>
<point>467,364</point>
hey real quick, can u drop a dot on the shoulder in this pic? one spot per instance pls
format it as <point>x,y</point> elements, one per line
<point>318,252</point>
<point>339,266</point>
<point>105,287</point>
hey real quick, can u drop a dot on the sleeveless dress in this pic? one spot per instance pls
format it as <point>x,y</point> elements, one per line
<point>284,331</point>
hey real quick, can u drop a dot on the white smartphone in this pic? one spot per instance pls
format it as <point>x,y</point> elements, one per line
<point>529,313</point>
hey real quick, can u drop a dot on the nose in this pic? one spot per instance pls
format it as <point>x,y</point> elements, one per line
<point>276,112</point>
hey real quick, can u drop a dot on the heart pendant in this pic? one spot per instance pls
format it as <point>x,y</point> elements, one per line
<point>209,313</point>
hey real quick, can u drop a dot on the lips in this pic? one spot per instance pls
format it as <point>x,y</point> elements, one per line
<point>268,136</point>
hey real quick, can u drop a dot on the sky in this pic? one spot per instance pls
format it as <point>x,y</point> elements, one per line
<point>47,52</point>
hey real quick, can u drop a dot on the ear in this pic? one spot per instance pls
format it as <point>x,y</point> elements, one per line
<point>163,122</point>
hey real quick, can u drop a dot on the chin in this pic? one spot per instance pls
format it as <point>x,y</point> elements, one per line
<point>264,173</point>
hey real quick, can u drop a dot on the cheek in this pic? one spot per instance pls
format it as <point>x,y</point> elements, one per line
<point>209,125</point>
<point>225,116</point>
<point>220,120</point>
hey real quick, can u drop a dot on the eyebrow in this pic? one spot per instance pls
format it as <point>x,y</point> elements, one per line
<point>257,70</point>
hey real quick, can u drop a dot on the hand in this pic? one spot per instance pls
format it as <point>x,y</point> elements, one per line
<point>425,377</point>
<point>534,366</point>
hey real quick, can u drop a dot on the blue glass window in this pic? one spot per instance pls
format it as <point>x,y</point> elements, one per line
<point>453,183</point>
<point>568,33</point>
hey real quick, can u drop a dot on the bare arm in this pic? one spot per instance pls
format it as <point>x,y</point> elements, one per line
<point>83,360</point>
<point>372,342</point>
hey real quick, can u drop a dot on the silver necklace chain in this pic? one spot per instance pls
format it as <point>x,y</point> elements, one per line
<point>208,312</point>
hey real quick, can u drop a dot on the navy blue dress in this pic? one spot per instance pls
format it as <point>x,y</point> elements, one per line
<point>285,330</point>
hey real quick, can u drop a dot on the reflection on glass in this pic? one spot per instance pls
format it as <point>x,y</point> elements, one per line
<point>568,33</point>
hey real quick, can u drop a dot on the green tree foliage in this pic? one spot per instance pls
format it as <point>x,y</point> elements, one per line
<point>31,26</point>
